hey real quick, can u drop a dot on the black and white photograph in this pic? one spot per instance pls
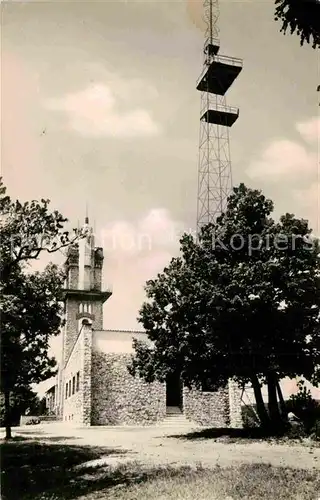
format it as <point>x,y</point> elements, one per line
<point>160,250</point>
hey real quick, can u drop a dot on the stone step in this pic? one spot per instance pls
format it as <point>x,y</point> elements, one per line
<point>176,425</point>
<point>175,415</point>
<point>177,420</point>
<point>173,410</point>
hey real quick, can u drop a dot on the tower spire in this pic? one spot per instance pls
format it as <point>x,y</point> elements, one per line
<point>214,169</point>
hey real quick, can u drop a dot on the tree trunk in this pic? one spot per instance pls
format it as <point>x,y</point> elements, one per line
<point>7,414</point>
<point>261,408</point>
<point>273,406</point>
<point>281,401</point>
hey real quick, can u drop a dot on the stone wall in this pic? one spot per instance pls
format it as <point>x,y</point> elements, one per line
<point>97,268</point>
<point>207,408</point>
<point>120,399</point>
<point>235,405</point>
<point>72,267</point>
<point>77,407</point>
<point>73,317</point>
<point>73,277</point>
<point>97,311</point>
<point>71,327</point>
<point>87,376</point>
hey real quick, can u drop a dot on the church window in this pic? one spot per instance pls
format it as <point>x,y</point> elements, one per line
<point>85,307</point>
<point>73,384</point>
<point>78,381</point>
<point>66,390</point>
<point>69,388</point>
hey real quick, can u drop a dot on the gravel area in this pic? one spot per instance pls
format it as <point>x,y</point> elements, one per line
<point>160,446</point>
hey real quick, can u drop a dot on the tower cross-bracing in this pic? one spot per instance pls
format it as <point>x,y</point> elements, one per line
<point>214,171</point>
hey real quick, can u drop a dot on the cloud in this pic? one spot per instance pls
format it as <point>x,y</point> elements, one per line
<point>310,130</point>
<point>134,253</point>
<point>296,163</point>
<point>282,159</point>
<point>102,110</point>
<point>308,200</point>
<point>286,159</point>
<point>154,232</point>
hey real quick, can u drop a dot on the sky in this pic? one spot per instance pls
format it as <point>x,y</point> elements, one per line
<point>99,107</point>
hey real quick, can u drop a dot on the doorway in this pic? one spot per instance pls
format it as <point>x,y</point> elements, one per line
<point>174,390</point>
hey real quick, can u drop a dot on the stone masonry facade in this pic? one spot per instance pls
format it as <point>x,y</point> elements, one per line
<point>207,408</point>
<point>220,408</point>
<point>109,395</point>
<point>77,376</point>
<point>120,399</point>
<point>74,317</point>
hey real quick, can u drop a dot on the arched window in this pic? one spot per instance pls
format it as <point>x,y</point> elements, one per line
<point>85,307</point>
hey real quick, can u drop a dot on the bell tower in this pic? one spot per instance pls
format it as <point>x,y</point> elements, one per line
<point>83,294</point>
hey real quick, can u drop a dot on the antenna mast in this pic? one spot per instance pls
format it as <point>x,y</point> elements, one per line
<point>214,169</point>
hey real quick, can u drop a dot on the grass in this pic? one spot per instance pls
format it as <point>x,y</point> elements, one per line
<point>246,482</point>
<point>34,470</point>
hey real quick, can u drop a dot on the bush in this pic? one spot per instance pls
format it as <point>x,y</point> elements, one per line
<point>296,431</point>
<point>315,431</point>
<point>304,407</point>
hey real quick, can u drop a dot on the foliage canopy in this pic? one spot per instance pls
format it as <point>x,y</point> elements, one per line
<point>301,17</point>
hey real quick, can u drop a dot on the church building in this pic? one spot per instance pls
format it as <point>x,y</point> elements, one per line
<point>94,385</point>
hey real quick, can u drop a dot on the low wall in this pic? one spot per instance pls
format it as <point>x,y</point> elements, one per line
<point>235,409</point>
<point>207,408</point>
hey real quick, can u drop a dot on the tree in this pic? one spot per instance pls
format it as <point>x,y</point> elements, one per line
<point>27,230</point>
<point>302,17</point>
<point>22,400</point>
<point>242,302</point>
<point>30,303</point>
<point>31,310</point>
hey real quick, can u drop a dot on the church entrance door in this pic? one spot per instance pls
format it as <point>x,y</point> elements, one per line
<point>174,390</point>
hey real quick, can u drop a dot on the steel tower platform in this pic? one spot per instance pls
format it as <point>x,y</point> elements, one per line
<point>218,74</point>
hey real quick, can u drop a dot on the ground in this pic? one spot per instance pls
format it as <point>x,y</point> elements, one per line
<point>53,461</point>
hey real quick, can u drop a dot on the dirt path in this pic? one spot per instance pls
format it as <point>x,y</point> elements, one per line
<point>159,446</point>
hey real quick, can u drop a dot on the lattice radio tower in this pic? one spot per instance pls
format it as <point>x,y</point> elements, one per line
<point>219,72</point>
